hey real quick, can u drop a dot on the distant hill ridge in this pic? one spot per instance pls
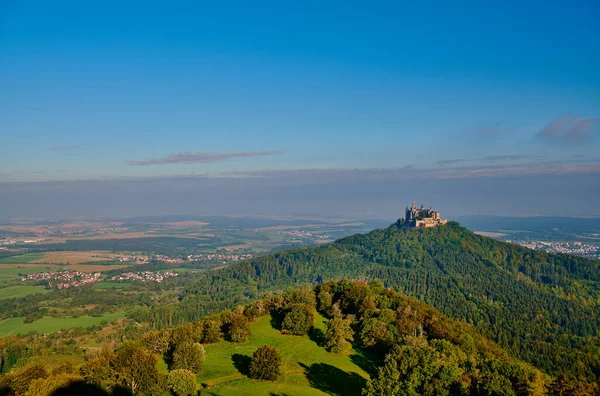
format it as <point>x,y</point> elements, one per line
<point>541,307</point>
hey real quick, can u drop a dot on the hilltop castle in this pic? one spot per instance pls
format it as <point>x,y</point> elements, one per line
<point>421,217</point>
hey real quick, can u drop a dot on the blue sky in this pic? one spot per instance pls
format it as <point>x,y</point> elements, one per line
<point>252,89</point>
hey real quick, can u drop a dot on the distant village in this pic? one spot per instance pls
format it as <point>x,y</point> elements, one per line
<point>223,258</point>
<point>587,250</point>
<point>65,279</point>
<point>304,234</point>
<point>68,279</point>
<point>144,276</point>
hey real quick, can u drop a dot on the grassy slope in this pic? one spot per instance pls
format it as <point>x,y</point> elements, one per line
<point>308,369</point>
<point>47,324</point>
<point>20,291</point>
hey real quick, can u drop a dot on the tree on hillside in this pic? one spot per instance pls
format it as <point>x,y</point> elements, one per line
<point>563,386</point>
<point>418,368</point>
<point>189,356</point>
<point>137,370</point>
<point>338,334</point>
<point>324,300</point>
<point>211,332</point>
<point>265,364</point>
<point>238,328</point>
<point>156,341</point>
<point>185,333</point>
<point>254,310</point>
<point>11,353</point>
<point>298,320</point>
<point>304,295</point>
<point>17,381</point>
<point>48,385</point>
<point>182,382</point>
<point>387,381</point>
<point>98,370</point>
<point>374,332</point>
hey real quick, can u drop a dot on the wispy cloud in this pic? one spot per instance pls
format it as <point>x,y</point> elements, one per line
<point>492,158</point>
<point>450,161</point>
<point>200,158</point>
<point>568,128</point>
<point>513,157</point>
<point>461,172</point>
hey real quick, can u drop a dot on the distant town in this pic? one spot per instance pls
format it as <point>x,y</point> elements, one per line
<point>68,279</point>
<point>223,258</point>
<point>304,234</point>
<point>65,279</point>
<point>587,250</point>
<point>144,276</point>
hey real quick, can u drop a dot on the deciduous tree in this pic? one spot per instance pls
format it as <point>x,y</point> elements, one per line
<point>265,363</point>
<point>182,382</point>
<point>211,332</point>
<point>189,356</point>
<point>299,319</point>
<point>156,341</point>
<point>338,334</point>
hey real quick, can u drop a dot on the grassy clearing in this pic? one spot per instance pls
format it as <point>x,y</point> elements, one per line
<point>48,324</point>
<point>12,273</point>
<point>308,369</point>
<point>20,291</point>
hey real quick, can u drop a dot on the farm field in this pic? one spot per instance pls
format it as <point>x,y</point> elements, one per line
<point>96,267</point>
<point>14,326</point>
<point>22,259</point>
<point>70,257</point>
<point>10,272</point>
<point>20,291</point>
<point>62,257</point>
<point>307,368</point>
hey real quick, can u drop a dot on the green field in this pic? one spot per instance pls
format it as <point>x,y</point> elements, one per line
<point>9,274</point>
<point>23,258</point>
<point>308,369</point>
<point>48,324</point>
<point>20,291</point>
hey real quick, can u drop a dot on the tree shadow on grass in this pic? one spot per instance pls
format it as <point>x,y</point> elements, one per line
<point>78,388</point>
<point>332,380</point>
<point>277,320</point>
<point>367,361</point>
<point>318,336</point>
<point>241,363</point>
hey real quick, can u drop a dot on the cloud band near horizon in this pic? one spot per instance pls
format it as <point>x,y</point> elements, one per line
<point>187,157</point>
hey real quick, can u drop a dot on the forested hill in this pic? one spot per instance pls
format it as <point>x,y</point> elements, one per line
<point>542,308</point>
